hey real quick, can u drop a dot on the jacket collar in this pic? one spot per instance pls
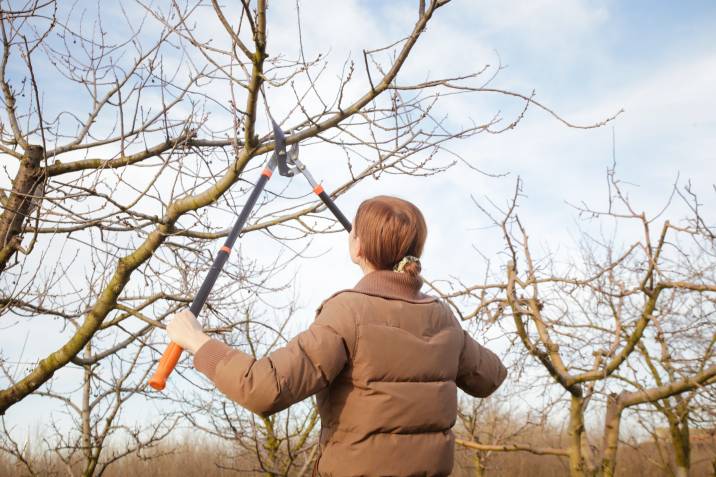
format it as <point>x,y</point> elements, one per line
<point>395,285</point>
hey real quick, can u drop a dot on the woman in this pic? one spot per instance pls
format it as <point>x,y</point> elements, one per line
<point>385,359</point>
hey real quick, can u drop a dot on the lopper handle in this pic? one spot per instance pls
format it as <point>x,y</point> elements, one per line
<point>171,356</point>
<point>167,363</point>
<point>333,207</point>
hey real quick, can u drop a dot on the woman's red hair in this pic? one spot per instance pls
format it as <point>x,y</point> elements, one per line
<point>390,228</point>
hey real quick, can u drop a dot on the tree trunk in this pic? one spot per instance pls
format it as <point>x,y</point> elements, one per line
<point>86,411</point>
<point>18,205</point>
<point>271,445</point>
<point>479,467</point>
<point>681,441</point>
<point>610,446</point>
<point>575,435</point>
<point>90,457</point>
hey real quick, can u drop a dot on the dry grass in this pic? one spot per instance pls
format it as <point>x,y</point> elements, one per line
<point>203,459</point>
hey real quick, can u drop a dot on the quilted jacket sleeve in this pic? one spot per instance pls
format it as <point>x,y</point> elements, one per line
<point>307,364</point>
<point>480,372</point>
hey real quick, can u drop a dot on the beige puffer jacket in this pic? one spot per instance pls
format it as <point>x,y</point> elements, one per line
<point>386,362</point>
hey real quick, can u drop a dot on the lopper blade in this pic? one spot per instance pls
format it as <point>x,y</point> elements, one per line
<point>281,155</point>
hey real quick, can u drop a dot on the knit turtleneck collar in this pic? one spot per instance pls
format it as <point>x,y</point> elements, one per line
<point>396,285</point>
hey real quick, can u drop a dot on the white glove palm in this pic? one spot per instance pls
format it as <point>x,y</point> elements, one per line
<point>184,330</point>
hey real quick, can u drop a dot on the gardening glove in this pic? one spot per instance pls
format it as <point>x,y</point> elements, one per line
<point>185,331</point>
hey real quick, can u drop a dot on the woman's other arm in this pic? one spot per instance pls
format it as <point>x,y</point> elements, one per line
<point>480,371</point>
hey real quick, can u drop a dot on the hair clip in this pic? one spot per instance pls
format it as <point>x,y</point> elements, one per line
<point>401,265</point>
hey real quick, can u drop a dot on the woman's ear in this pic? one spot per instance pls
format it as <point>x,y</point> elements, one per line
<point>353,246</point>
<point>359,251</point>
<point>356,245</point>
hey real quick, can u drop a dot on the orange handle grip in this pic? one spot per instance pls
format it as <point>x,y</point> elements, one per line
<point>166,366</point>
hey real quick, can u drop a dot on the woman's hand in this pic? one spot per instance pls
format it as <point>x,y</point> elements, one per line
<point>184,330</point>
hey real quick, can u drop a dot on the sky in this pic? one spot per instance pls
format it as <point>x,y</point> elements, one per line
<point>584,60</point>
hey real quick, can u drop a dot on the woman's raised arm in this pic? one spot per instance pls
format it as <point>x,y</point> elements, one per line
<point>307,364</point>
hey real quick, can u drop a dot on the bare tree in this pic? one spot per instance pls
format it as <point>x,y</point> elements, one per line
<point>491,429</point>
<point>90,436</point>
<point>588,322</point>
